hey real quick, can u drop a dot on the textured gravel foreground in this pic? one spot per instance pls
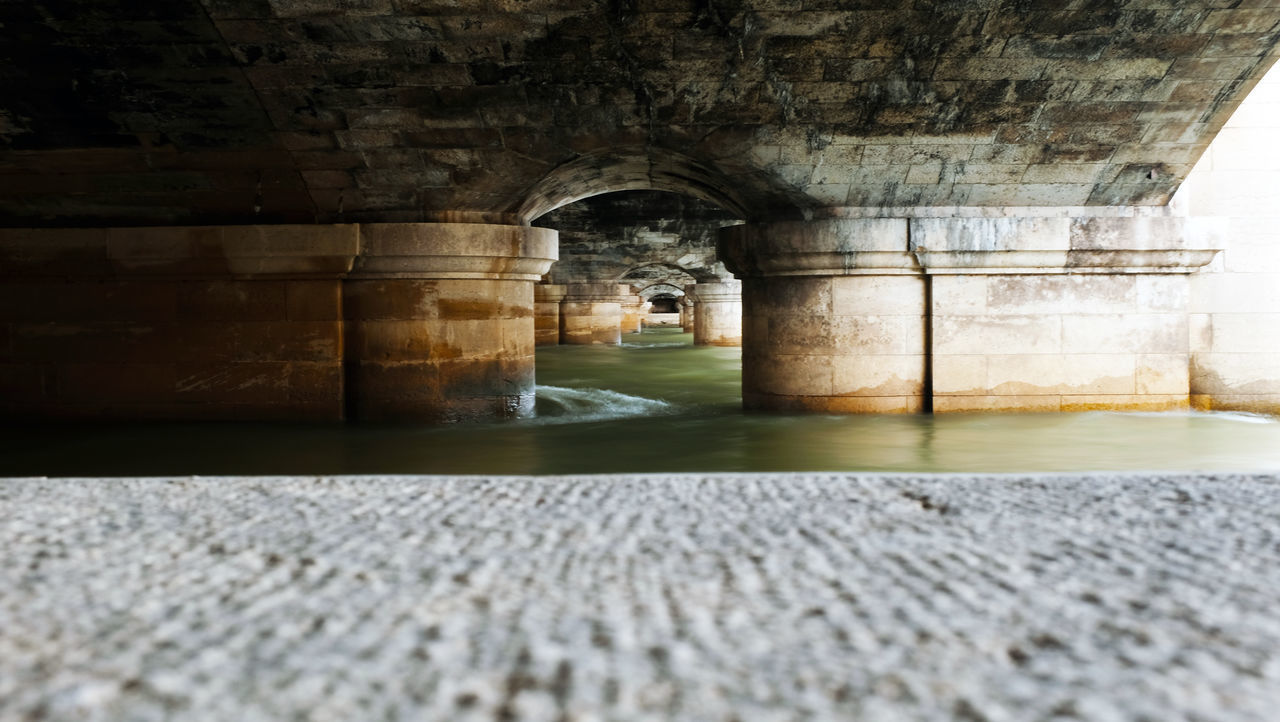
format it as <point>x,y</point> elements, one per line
<point>695,597</point>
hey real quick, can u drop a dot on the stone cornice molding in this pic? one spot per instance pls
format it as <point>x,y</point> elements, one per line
<point>825,247</point>
<point>548,292</point>
<point>1106,244</point>
<point>597,293</point>
<point>294,251</point>
<point>1110,243</point>
<point>455,251</point>
<point>378,250</point>
<point>724,291</point>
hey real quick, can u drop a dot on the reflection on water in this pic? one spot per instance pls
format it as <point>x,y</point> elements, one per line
<point>656,404</point>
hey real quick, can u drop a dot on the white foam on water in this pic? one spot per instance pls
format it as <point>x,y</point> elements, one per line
<point>678,344</point>
<point>560,405</point>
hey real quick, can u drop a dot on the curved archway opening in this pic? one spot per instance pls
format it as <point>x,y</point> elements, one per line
<point>630,169</point>
<point>670,274</point>
<point>627,260</point>
<point>663,303</point>
<point>660,289</point>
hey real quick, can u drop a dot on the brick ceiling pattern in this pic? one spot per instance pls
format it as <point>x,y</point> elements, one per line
<point>237,111</point>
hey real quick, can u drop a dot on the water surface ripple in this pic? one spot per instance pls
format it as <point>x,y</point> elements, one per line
<point>655,404</point>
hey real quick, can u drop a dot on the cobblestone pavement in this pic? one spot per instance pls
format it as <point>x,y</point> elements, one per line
<point>692,597</point>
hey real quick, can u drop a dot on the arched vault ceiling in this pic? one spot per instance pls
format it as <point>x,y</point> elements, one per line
<point>271,110</point>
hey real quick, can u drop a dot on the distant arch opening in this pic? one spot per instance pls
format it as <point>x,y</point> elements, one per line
<point>663,303</point>
<point>628,170</point>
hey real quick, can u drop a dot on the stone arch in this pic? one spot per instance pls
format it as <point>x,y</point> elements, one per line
<point>662,269</point>
<point>630,169</point>
<point>659,288</point>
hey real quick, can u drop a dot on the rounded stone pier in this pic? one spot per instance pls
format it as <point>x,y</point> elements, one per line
<point>686,312</point>
<point>832,322</point>
<point>546,313</point>
<point>591,313</point>
<point>969,309</point>
<point>633,307</point>
<point>718,313</point>
<point>440,320</point>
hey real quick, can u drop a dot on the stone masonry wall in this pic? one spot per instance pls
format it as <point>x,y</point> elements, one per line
<point>173,323</point>
<point>382,321</point>
<point>165,349</point>
<point>1059,342</point>
<point>1235,310</point>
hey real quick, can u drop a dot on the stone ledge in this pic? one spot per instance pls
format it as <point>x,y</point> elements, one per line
<point>548,292</point>
<point>725,291</point>
<point>455,250</point>
<point>596,293</point>
<point>393,250</point>
<point>1136,243</point>
<point>180,251</point>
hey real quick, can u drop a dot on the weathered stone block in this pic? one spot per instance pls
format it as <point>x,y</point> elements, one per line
<point>255,383</point>
<point>1147,333</point>
<point>1008,333</point>
<point>1161,293</point>
<point>93,383</point>
<point>316,390</point>
<point>257,340</point>
<point>1223,373</point>
<point>1148,403</point>
<point>395,391</point>
<point>873,335</point>
<point>958,295</point>
<point>963,375</point>
<point>1050,294</point>
<point>404,299</point>
<point>518,338</point>
<point>231,300</point>
<point>1037,374</point>
<point>1167,374</point>
<point>1246,332</point>
<point>387,341</point>
<point>314,300</point>
<point>790,375</point>
<point>879,376</point>
<point>117,342</point>
<point>88,301</point>
<point>1238,292</point>
<point>876,295</point>
<point>1006,403</point>
<point>989,234</point>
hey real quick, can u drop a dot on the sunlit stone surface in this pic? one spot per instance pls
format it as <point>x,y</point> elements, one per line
<point>591,313</point>
<point>717,313</point>
<point>641,597</point>
<point>1235,311</point>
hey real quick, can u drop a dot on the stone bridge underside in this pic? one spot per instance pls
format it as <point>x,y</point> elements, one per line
<point>302,209</point>
<point>240,111</point>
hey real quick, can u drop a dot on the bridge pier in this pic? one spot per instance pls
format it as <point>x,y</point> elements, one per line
<point>632,307</point>
<point>718,313</point>
<point>968,312</point>
<point>546,313</point>
<point>591,313</point>
<point>440,320</point>
<point>422,321</point>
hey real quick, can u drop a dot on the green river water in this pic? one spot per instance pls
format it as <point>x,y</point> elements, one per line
<point>655,404</point>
